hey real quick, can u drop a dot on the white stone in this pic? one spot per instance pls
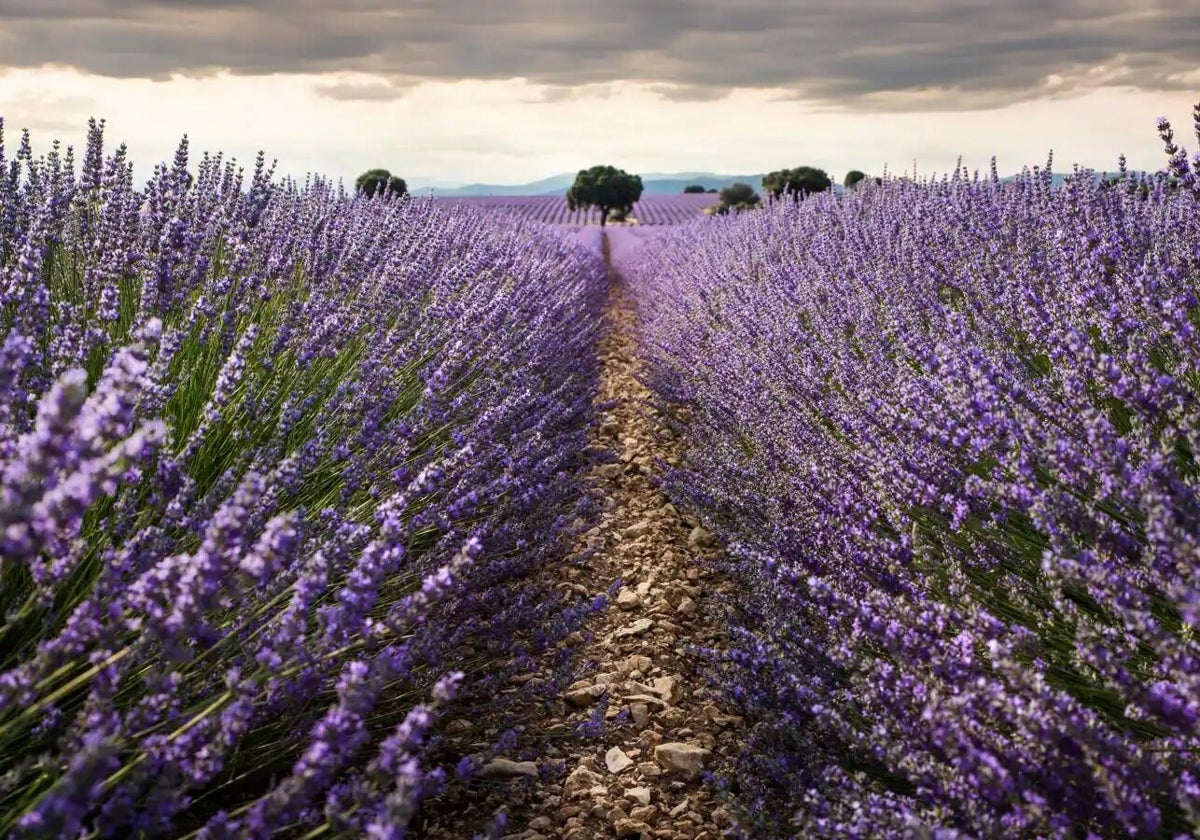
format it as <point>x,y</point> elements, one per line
<point>579,782</point>
<point>628,600</point>
<point>616,760</point>
<point>640,713</point>
<point>668,688</point>
<point>640,795</point>
<point>638,627</point>
<point>685,759</point>
<point>586,696</point>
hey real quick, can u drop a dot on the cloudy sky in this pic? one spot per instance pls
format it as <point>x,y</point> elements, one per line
<point>507,91</point>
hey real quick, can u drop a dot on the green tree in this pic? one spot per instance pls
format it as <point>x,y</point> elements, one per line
<point>737,196</point>
<point>376,181</point>
<point>852,178</point>
<point>796,182</point>
<point>606,188</point>
<point>694,188</point>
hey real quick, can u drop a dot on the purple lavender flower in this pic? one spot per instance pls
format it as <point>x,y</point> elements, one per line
<point>947,431</point>
<point>253,435</point>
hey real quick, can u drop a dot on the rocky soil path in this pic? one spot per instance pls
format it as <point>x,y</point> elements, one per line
<point>641,778</point>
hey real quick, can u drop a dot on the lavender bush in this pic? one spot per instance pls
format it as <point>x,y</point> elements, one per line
<point>275,466</point>
<point>949,431</point>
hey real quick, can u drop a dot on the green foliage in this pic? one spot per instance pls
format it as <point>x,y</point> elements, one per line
<point>607,188</point>
<point>711,189</point>
<point>796,182</point>
<point>737,196</point>
<point>694,188</point>
<point>852,178</point>
<point>376,181</point>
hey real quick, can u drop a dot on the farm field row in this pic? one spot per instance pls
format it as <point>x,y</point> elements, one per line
<point>948,432</point>
<point>650,210</point>
<point>271,459</point>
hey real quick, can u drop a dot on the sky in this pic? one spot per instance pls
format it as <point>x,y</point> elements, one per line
<point>508,91</point>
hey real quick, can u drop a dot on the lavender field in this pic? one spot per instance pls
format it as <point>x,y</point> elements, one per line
<point>311,503</point>
<point>947,431</point>
<point>552,209</point>
<point>272,460</point>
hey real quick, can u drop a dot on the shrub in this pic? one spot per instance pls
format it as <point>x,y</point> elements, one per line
<point>737,196</point>
<point>380,182</point>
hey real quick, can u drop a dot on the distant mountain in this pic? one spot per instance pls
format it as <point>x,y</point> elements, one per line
<point>653,184</point>
<point>435,184</point>
<point>668,176</point>
<point>554,185</point>
<point>1057,179</point>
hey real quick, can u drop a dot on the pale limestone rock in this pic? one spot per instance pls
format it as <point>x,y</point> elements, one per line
<point>579,782</point>
<point>616,760</point>
<point>638,795</point>
<point>684,759</point>
<point>631,828</point>
<point>628,600</point>
<point>586,696</point>
<point>640,713</point>
<point>638,628</point>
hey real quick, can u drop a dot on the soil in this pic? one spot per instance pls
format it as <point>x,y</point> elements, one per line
<point>642,776</point>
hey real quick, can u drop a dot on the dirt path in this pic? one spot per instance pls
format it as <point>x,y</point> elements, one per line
<point>641,777</point>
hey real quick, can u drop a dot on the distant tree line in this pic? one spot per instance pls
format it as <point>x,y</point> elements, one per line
<point>796,183</point>
<point>614,191</point>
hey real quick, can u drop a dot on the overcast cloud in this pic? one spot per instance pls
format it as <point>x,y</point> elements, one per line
<point>506,91</point>
<point>914,55</point>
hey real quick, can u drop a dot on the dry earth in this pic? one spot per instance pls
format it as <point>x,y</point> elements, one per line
<point>641,778</point>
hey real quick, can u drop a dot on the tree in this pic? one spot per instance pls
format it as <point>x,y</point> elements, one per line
<point>796,182</point>
<point>694,188</point>
<point>711,189</point>
<point>737,196</point>
<point>376,181</point>
<point>852,178</point>
<point>606,188</point>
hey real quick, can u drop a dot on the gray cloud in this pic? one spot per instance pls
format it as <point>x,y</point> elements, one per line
<point>922,53</point>
<point>362,91</point>
<point>58,114</point>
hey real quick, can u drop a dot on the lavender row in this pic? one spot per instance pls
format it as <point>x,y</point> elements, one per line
<point>277,466</point>
<point>552,209</point>
<point>948,431</point>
